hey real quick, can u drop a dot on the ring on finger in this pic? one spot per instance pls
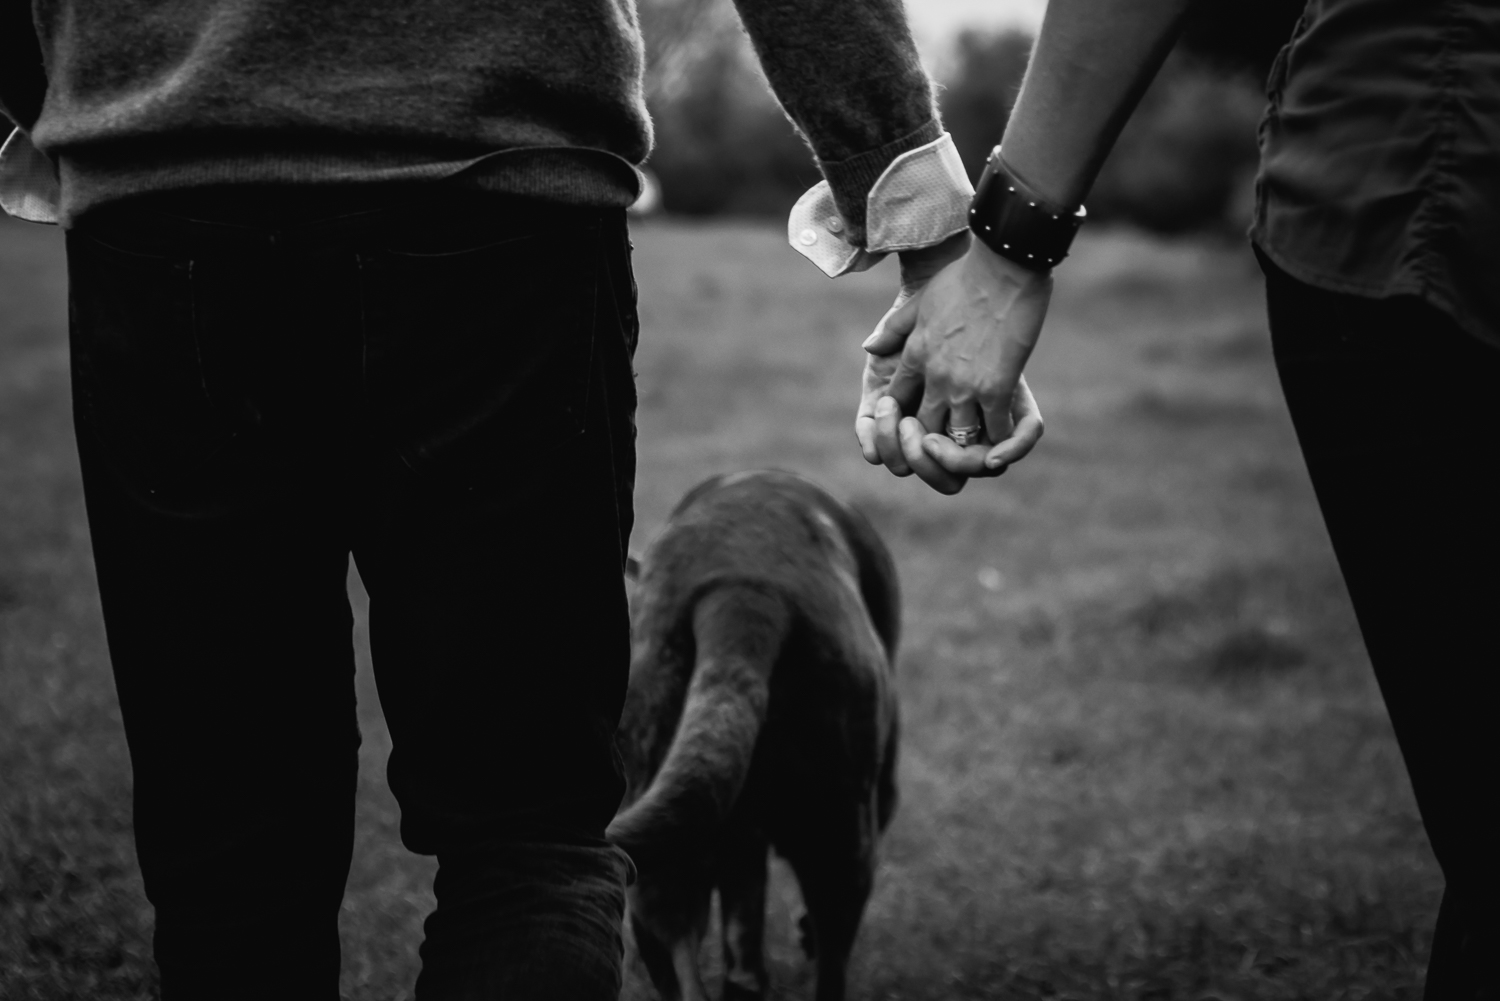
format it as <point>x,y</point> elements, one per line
<point>966,435</point>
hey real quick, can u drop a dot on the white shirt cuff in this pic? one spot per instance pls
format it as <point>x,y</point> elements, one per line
<point>28,181</point>
<point>921,199</point>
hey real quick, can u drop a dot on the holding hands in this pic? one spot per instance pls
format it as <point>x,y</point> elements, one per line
<point>948,356</point>
<point>942,394</point>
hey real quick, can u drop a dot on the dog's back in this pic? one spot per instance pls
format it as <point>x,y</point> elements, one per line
<point>760,711</point>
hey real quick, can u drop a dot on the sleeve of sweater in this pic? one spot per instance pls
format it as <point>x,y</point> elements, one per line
<point>23,81</point>
<point>848,75</point>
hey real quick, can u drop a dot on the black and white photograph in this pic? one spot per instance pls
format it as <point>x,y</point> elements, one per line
<point>733,500</point>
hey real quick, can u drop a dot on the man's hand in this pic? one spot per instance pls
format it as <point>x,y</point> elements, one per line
<point>952,348</point>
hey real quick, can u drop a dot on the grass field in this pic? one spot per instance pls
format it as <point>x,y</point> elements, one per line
<point>1144,756</point>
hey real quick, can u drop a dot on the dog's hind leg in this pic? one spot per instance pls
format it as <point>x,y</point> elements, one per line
<point>656,956</point>
<point>668,918</point>
<point>742,907</point>
<point>673,966</point>
<point>835,877</point>
<point>685,962</point>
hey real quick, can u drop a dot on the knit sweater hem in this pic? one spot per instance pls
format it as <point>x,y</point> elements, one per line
<point>564,174</point>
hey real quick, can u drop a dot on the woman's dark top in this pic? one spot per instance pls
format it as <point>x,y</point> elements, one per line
<point>1380,154</point>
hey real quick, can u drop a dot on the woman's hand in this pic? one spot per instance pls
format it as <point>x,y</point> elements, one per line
<point>953,353</point>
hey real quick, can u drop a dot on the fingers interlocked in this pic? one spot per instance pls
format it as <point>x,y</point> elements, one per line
<point>907,445</point>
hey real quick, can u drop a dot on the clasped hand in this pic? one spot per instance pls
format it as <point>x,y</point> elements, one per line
<point>950,353</point>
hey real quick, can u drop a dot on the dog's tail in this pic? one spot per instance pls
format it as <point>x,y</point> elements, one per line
<point>738,632</point>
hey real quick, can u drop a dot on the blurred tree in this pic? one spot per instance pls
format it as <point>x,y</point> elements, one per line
<point>723,144</point>
<point>1241,35</point>
<point>1187,157</point>
<point>678,35</point>
<point>1183,162</point>
<point>977,100</point>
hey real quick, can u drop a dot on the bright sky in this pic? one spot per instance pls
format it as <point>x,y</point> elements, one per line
<point>935,22</point>
<point>943,17</point>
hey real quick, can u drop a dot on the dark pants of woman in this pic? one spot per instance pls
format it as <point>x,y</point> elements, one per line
<point>1398,414</point>
<point>438,383</point>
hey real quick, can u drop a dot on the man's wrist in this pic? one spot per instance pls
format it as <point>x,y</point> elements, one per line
<point>919,264</point>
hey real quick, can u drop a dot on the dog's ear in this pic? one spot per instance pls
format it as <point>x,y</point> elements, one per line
<point>632,568</point>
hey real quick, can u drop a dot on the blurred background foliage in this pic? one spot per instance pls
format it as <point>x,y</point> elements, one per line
<point>1186,161</point>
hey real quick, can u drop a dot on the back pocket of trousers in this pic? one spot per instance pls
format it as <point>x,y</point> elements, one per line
<point>469,353</point>
<point>139,385</point>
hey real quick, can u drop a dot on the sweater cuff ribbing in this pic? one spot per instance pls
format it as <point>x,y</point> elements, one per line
<point>852,179</point>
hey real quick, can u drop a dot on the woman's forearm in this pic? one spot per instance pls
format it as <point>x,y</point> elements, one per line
<point>1093,61</point>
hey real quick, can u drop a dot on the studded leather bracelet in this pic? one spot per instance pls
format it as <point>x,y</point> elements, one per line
<point>1019,224</point>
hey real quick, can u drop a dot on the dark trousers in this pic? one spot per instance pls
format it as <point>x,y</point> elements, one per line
<point>440,384</point>
<point>1398,414</point>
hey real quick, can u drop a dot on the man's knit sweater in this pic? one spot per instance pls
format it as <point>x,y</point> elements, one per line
<point>532,97</point>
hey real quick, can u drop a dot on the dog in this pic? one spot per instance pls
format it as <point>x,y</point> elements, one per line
<point>760,714</point>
